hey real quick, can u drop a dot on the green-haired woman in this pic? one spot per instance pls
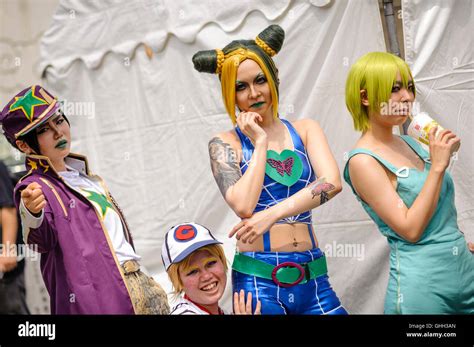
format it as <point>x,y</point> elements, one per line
<point>407,192</point>
<point>265,168</point>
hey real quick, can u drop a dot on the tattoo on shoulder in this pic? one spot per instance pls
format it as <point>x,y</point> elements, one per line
<point>224,164</point>
<point>321,188</point>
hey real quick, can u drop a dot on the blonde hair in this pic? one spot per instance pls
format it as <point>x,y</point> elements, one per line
<point>176,269</point>
<point>229,75</point>
<point>376,73</point>
<point>225,62</point>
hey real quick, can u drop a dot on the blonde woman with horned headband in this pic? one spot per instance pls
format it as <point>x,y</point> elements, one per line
<point>272,173</point>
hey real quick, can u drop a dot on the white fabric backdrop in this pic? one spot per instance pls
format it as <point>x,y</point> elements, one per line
<point>153,117</point>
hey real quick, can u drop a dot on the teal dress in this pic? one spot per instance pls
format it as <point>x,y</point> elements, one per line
<point>436,274</point>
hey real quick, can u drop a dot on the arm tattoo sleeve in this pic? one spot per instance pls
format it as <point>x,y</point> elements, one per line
<point>321,188</point>
<point>224,164</point>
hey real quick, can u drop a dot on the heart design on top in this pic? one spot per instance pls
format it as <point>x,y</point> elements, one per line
<point>285,168</point>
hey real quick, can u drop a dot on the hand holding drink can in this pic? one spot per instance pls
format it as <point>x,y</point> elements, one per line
<point>420,127</point>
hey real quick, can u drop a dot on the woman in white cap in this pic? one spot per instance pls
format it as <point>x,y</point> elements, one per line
<point>197,268</point>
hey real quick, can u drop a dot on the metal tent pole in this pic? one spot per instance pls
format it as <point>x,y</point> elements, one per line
<point>391,27</point>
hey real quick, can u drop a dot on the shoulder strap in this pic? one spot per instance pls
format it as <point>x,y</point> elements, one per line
<point>416,147</point>
<point>295,137</point>
<point>381,160</point>
<point>356,151</point>
<point>247,147</point>
<point>240,134</point>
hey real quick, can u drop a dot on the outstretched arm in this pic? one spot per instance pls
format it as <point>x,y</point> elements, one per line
<point>36,217</point>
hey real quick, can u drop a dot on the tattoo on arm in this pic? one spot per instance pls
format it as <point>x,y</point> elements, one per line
<point>224,164</point>
<point>321,188</point>
<point>324,198</point>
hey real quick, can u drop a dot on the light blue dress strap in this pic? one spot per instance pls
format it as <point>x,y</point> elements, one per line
<point>356,151</point>
<point>422,153</point>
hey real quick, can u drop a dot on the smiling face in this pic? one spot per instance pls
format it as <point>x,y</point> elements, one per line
<point>54,139</point>
<point>204,279</point>
<point>252,90</point>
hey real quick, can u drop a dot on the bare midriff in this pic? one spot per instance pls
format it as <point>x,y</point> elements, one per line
<point>283,238</point>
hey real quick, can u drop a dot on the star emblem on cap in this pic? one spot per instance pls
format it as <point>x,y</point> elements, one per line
<point>27,103</point>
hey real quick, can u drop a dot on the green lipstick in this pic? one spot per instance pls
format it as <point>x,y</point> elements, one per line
<point>257,104</point>
<point>61,144</point>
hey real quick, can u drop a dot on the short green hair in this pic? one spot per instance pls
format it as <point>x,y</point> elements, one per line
<point>376,73</point>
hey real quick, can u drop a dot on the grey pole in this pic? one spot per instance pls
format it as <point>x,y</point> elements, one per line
<point>391,28</point>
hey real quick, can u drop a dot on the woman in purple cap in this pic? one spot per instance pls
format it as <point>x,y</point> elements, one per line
<point>197,268</point>
<point>88,260</point>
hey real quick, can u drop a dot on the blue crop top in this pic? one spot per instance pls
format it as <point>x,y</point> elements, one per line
<point>274,192</point>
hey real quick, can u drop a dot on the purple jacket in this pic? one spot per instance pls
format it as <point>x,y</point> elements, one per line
<point>78,263</point>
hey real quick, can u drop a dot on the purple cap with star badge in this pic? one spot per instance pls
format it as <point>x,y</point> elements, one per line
<point>27,110</point>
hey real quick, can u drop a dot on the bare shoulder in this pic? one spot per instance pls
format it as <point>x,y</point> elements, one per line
<point>366,170</point>
<point>308,128</point>
<point>305,123</point>
<point>225,160</point>
<point>229,136</point>
<point>227,140</point>
<point>363,162</point>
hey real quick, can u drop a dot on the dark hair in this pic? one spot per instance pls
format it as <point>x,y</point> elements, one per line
<point>31,138</point>
<point>273,37</point>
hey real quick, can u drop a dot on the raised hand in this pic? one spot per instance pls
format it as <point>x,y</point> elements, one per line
<point>33,198</point>
<point>442,147</point>
<point>242,307</point>
<point>248,123</point>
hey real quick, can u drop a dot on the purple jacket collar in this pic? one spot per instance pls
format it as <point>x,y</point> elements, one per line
<point>41,164</point>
